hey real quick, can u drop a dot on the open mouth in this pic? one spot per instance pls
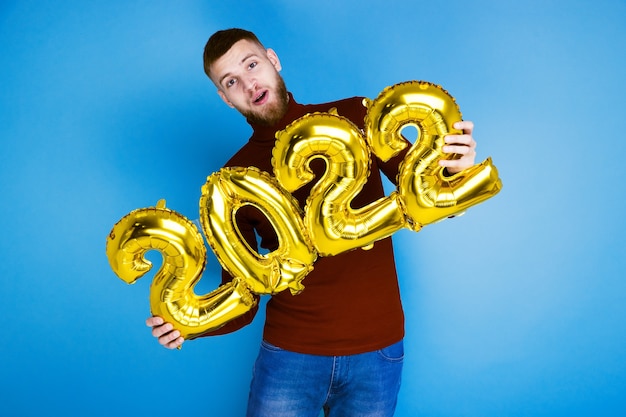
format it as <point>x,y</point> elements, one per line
<point>261,97</point>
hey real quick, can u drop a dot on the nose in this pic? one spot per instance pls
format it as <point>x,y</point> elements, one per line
<point>250,84</point>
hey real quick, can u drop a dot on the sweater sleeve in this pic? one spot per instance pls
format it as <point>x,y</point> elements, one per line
<point>238,322</point>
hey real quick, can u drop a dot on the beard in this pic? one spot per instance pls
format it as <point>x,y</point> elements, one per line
<point>272,113</point>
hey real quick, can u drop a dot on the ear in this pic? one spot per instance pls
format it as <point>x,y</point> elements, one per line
<point>223,97</point>
<point>271,55</point>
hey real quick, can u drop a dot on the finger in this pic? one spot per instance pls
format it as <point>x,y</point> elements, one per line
<point>175,344</point>
<point>154,321</point>
<point>459,139</point>
<point>159,331</point>
<point>170,339</point>
<point>466,126</point>
<point>465,161</point>
<point>458,149</point>
<point>454,166</point>
<point>449,163</point>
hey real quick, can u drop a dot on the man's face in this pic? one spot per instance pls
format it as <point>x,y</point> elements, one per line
<point>247,79</point>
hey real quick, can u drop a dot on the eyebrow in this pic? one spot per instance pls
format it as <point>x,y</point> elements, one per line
<point>250,55</point>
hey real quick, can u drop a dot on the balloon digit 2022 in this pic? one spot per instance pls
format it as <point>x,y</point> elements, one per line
<point>326,226</point>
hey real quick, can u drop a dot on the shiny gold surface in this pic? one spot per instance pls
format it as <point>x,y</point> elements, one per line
<point>230,189</point>
<point>184,259</point>
<point>427,195</point>
<point>327,225</point>
<point>334,226</point>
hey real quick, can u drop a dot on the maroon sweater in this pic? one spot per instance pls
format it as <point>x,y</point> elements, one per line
<point>351,301</point>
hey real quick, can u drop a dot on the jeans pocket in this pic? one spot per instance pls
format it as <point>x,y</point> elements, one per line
<point>268,346</point>
<point>393,353</point>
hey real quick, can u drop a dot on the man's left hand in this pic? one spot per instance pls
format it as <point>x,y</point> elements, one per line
<point>463,145</point>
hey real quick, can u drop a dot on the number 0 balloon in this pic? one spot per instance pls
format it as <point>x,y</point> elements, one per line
<point>326,226</point>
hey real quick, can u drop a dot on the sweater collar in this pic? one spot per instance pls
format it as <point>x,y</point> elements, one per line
<point>268,133</point>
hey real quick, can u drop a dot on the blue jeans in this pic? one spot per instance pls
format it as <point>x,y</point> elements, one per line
<point>289,384</point>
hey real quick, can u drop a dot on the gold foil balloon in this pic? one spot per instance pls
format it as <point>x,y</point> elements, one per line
<point>328,225</point>
<point>230,189</point>
<point>184,259</point>
<point>333,224</point>
<point>426,193</point>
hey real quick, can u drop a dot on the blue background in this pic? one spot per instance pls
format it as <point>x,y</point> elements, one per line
<point>515,309</point>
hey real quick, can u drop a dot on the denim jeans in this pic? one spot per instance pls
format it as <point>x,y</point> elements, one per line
<point>289,384</point>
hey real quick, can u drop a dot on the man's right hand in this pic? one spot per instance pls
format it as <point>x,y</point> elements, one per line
<point>165,333</point>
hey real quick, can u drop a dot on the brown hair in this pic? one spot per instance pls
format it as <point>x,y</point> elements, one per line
<point>221,41</point>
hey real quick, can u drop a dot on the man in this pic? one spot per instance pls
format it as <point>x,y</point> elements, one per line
<point>338,344</point>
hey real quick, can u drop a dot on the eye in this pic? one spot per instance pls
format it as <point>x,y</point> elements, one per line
<point>230,82</point>
<point>252,64</point>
